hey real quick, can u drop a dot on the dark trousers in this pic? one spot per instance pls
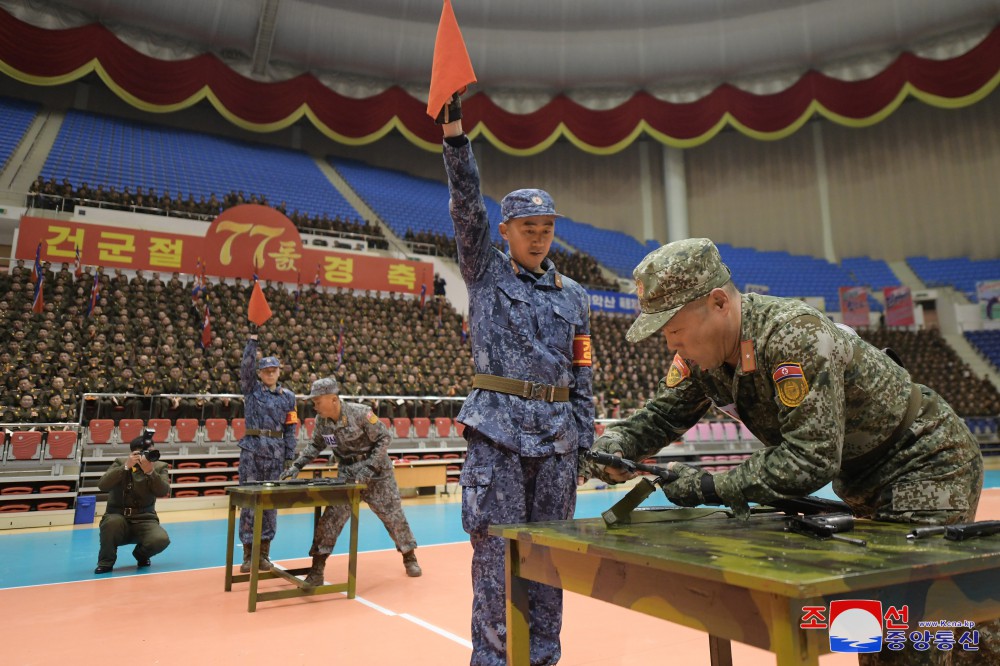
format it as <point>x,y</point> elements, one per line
<point>149,538</point>
<point>254,468</point>
<point>501,487</point>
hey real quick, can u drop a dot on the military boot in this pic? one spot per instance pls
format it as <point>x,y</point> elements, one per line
<point>410,562</point>
<point>265,552</point>
<point>315,576</point>
<point>247,554</point>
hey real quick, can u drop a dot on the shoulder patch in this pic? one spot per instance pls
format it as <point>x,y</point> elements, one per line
<point>678,371</point>
<point>291,418</point>
<point>371,418</point>
<point>791,384</point>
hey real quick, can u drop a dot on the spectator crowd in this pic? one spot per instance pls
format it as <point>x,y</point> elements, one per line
<point>142,343</point>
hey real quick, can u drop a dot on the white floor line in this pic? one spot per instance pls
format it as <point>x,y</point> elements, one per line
<point>415,620</point>
<point>437,630</point>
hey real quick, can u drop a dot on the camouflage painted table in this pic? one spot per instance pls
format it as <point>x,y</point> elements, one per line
<point>747,583</point>
<point>286,496</point>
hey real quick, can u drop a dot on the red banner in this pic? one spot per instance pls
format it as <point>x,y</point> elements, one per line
<point>242,240</point>
<point>854,305</point>
<point>898,306</point>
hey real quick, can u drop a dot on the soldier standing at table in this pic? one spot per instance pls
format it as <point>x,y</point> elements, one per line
<point>359,442</point>
<point>828,407</point>
<point>530,416</point>
<point>268,446</point>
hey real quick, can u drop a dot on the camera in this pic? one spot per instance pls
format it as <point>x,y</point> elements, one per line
<point>144,445</point>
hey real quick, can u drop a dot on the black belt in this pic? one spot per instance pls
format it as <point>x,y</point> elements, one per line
<point>522,388</point>
<point>265,433</point>
<point>130,512</point>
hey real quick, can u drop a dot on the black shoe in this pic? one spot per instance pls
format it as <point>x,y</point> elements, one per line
<point>103,569</point>
<point>143,563</point>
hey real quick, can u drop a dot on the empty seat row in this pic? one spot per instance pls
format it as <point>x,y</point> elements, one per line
<point>35,445</point>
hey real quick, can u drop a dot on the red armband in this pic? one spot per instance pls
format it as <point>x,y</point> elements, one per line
<point>582,354</point>
<point>291,418</point>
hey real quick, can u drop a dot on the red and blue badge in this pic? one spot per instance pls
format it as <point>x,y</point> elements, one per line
<point>791,384</point>
<point>678,371</point>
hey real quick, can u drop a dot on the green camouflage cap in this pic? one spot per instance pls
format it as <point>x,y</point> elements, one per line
<point>325,386</point>
<point>672,276</point>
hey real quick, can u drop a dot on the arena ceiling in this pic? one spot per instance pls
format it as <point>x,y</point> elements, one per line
<point>598,54</point>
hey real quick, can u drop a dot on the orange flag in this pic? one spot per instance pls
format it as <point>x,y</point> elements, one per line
<point>452,69</point>
<point>258,311</point>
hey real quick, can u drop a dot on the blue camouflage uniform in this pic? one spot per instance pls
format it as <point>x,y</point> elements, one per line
<point>262,457</point>
<point>521,464</point>
<point>359,442</point>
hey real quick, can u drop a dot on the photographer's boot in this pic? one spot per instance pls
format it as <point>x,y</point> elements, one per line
<point>410,562</point>
<point>265,553</point>
<point>315,576</point>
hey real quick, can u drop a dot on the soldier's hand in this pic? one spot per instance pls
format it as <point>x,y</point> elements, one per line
<point>145,465</point>
<point>451,111</point>
<point>290,473</point>
<point>605,444</point>
<point>584,468</point>
<point>687,489</point>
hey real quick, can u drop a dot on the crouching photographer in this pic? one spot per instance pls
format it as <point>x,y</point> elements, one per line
<point>133,484</point>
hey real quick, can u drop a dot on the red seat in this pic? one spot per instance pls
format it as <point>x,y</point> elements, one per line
<point>187,479</point>
<point>55,488</point>
<point>239,429</point>
<point>129,429</point>
<point>449,456</point>
<point>386,422</point>
<point>187,430</point>
<point>431,456</point>
<point>215,429</point>
<point>52,506</point>
<point>217,463</point>
<point>99,431</point>
<point>17,490</point>
<point>310,425</point>
<point>459,428</point>
<point>421,426</point>
<point>25,445</point>
<point>402,426</point>
<point>14,508</point>
<point>185,493</point>
<point>443,426</point>
<point>161,430</point>
<point>215,477</point>
<point>189,465</point>
<point>61,443</point>
<point>215,491</point>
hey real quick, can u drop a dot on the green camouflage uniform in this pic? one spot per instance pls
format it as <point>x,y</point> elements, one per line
<point>827,406</point>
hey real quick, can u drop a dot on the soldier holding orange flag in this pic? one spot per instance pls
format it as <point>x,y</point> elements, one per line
<point>268,447</point>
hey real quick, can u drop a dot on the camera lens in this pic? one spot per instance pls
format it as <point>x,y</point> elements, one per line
<point>152,455</point>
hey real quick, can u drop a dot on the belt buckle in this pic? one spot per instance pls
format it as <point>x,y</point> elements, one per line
<point>537,391</point>
<point>128,511</point>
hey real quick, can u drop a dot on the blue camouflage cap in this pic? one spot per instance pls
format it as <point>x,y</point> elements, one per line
<point>268,362</point>
<point>526,203</point>
<point>325,386</point>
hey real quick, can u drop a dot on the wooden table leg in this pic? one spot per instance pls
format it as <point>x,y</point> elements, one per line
<point>229,545</point>
<point>258,521</point>
<point>518,628</point>
<point>352,558</point>
<point>721,651</point>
